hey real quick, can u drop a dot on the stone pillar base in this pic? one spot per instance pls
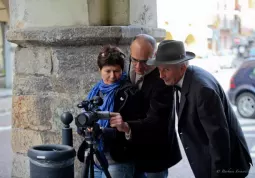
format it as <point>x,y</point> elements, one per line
<point>54,70</point>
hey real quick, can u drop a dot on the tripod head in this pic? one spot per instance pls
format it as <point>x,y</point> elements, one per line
<point>88,127</point>
<point>90,144</point>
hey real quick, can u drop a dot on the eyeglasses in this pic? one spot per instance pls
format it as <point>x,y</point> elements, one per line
<point>136,61</point>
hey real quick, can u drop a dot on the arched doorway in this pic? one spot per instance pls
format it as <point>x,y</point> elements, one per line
<point>190,40</point>
<point>168,36</point>
<point>190,43</point>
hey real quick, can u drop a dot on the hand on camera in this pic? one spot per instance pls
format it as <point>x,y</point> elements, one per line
<point>90,129</point>
<point>84,132</point>
<point>117,122</point>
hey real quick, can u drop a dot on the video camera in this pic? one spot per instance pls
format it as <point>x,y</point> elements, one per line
<point>92,113</point>
<point>87,119</point>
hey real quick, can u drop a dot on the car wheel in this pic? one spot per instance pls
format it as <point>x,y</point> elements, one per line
<point>246,105</point>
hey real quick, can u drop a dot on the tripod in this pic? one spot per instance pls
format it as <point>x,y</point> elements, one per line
<point>89,157</point>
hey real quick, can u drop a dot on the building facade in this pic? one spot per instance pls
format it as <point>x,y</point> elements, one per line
<point>187,23</point>
<point>207,27</point>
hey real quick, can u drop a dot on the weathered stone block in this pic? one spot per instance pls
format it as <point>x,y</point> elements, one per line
<point>143,13</point>
<point>23,139</point>
<point>64,103</point>
<point>34,60</point>
<point>33,112</point>
<point>69,61</point>
<point>68,84</point>
<point>119,12</point>
<point>98,12</point>
<point>51,137</point>
<point>75,69</point>
<point>56,13</point>
<point>20,166</point>
<point>133,12</point>
<point>31,85</point>
<point>80,36</point>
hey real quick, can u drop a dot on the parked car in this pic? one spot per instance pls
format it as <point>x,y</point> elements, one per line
<point>236,62</point>
<point>242,89</point>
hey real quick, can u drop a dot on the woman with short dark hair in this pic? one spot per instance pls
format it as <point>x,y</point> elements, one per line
<point>118,96</point>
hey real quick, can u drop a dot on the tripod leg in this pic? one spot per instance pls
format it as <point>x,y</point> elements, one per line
<point>105,168</point>
<point>92,166</point>
<point>85,172</point>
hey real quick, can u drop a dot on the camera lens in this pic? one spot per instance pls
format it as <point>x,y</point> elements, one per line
<point>82,119</point>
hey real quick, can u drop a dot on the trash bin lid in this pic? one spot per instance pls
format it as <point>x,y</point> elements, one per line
<point>51,152</point>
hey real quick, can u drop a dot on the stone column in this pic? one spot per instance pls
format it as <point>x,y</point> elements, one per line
<point>55,66</point>
<point>133,12</point>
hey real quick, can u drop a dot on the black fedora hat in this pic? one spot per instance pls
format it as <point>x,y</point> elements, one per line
<point>171,52</point>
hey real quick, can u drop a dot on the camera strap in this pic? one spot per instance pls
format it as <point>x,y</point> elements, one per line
<point>81,154</point>
<point>101,155</point>
<point>81,151</point>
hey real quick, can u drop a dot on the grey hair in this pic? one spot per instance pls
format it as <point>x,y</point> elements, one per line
<point>149,39</point>
<point>186,63</point>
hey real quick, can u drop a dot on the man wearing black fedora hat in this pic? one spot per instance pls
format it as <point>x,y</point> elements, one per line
<point>208,128</point>
<point>154,140</point>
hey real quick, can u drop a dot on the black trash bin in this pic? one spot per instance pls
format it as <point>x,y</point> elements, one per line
<point>51,161</point>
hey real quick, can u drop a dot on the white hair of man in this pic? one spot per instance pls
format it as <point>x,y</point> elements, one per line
<point>185,63</point>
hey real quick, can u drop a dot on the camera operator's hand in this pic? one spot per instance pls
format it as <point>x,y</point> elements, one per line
<point>117,121</point>
<point>90,129</point>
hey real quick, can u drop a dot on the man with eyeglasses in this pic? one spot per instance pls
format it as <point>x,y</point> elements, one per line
<point>141,50</point>
<point>152,142</point>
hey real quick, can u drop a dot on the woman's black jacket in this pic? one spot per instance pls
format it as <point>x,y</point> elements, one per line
<point>128,102</point>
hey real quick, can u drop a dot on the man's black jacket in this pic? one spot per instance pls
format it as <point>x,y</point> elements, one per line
<point>153,135</point>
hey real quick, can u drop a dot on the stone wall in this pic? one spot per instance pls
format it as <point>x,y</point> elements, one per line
<point>54,70</point>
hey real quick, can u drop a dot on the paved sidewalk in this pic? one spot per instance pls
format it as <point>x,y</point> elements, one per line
<point>5,100</point>
<point>5,133</point>
<point>5,92</point>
